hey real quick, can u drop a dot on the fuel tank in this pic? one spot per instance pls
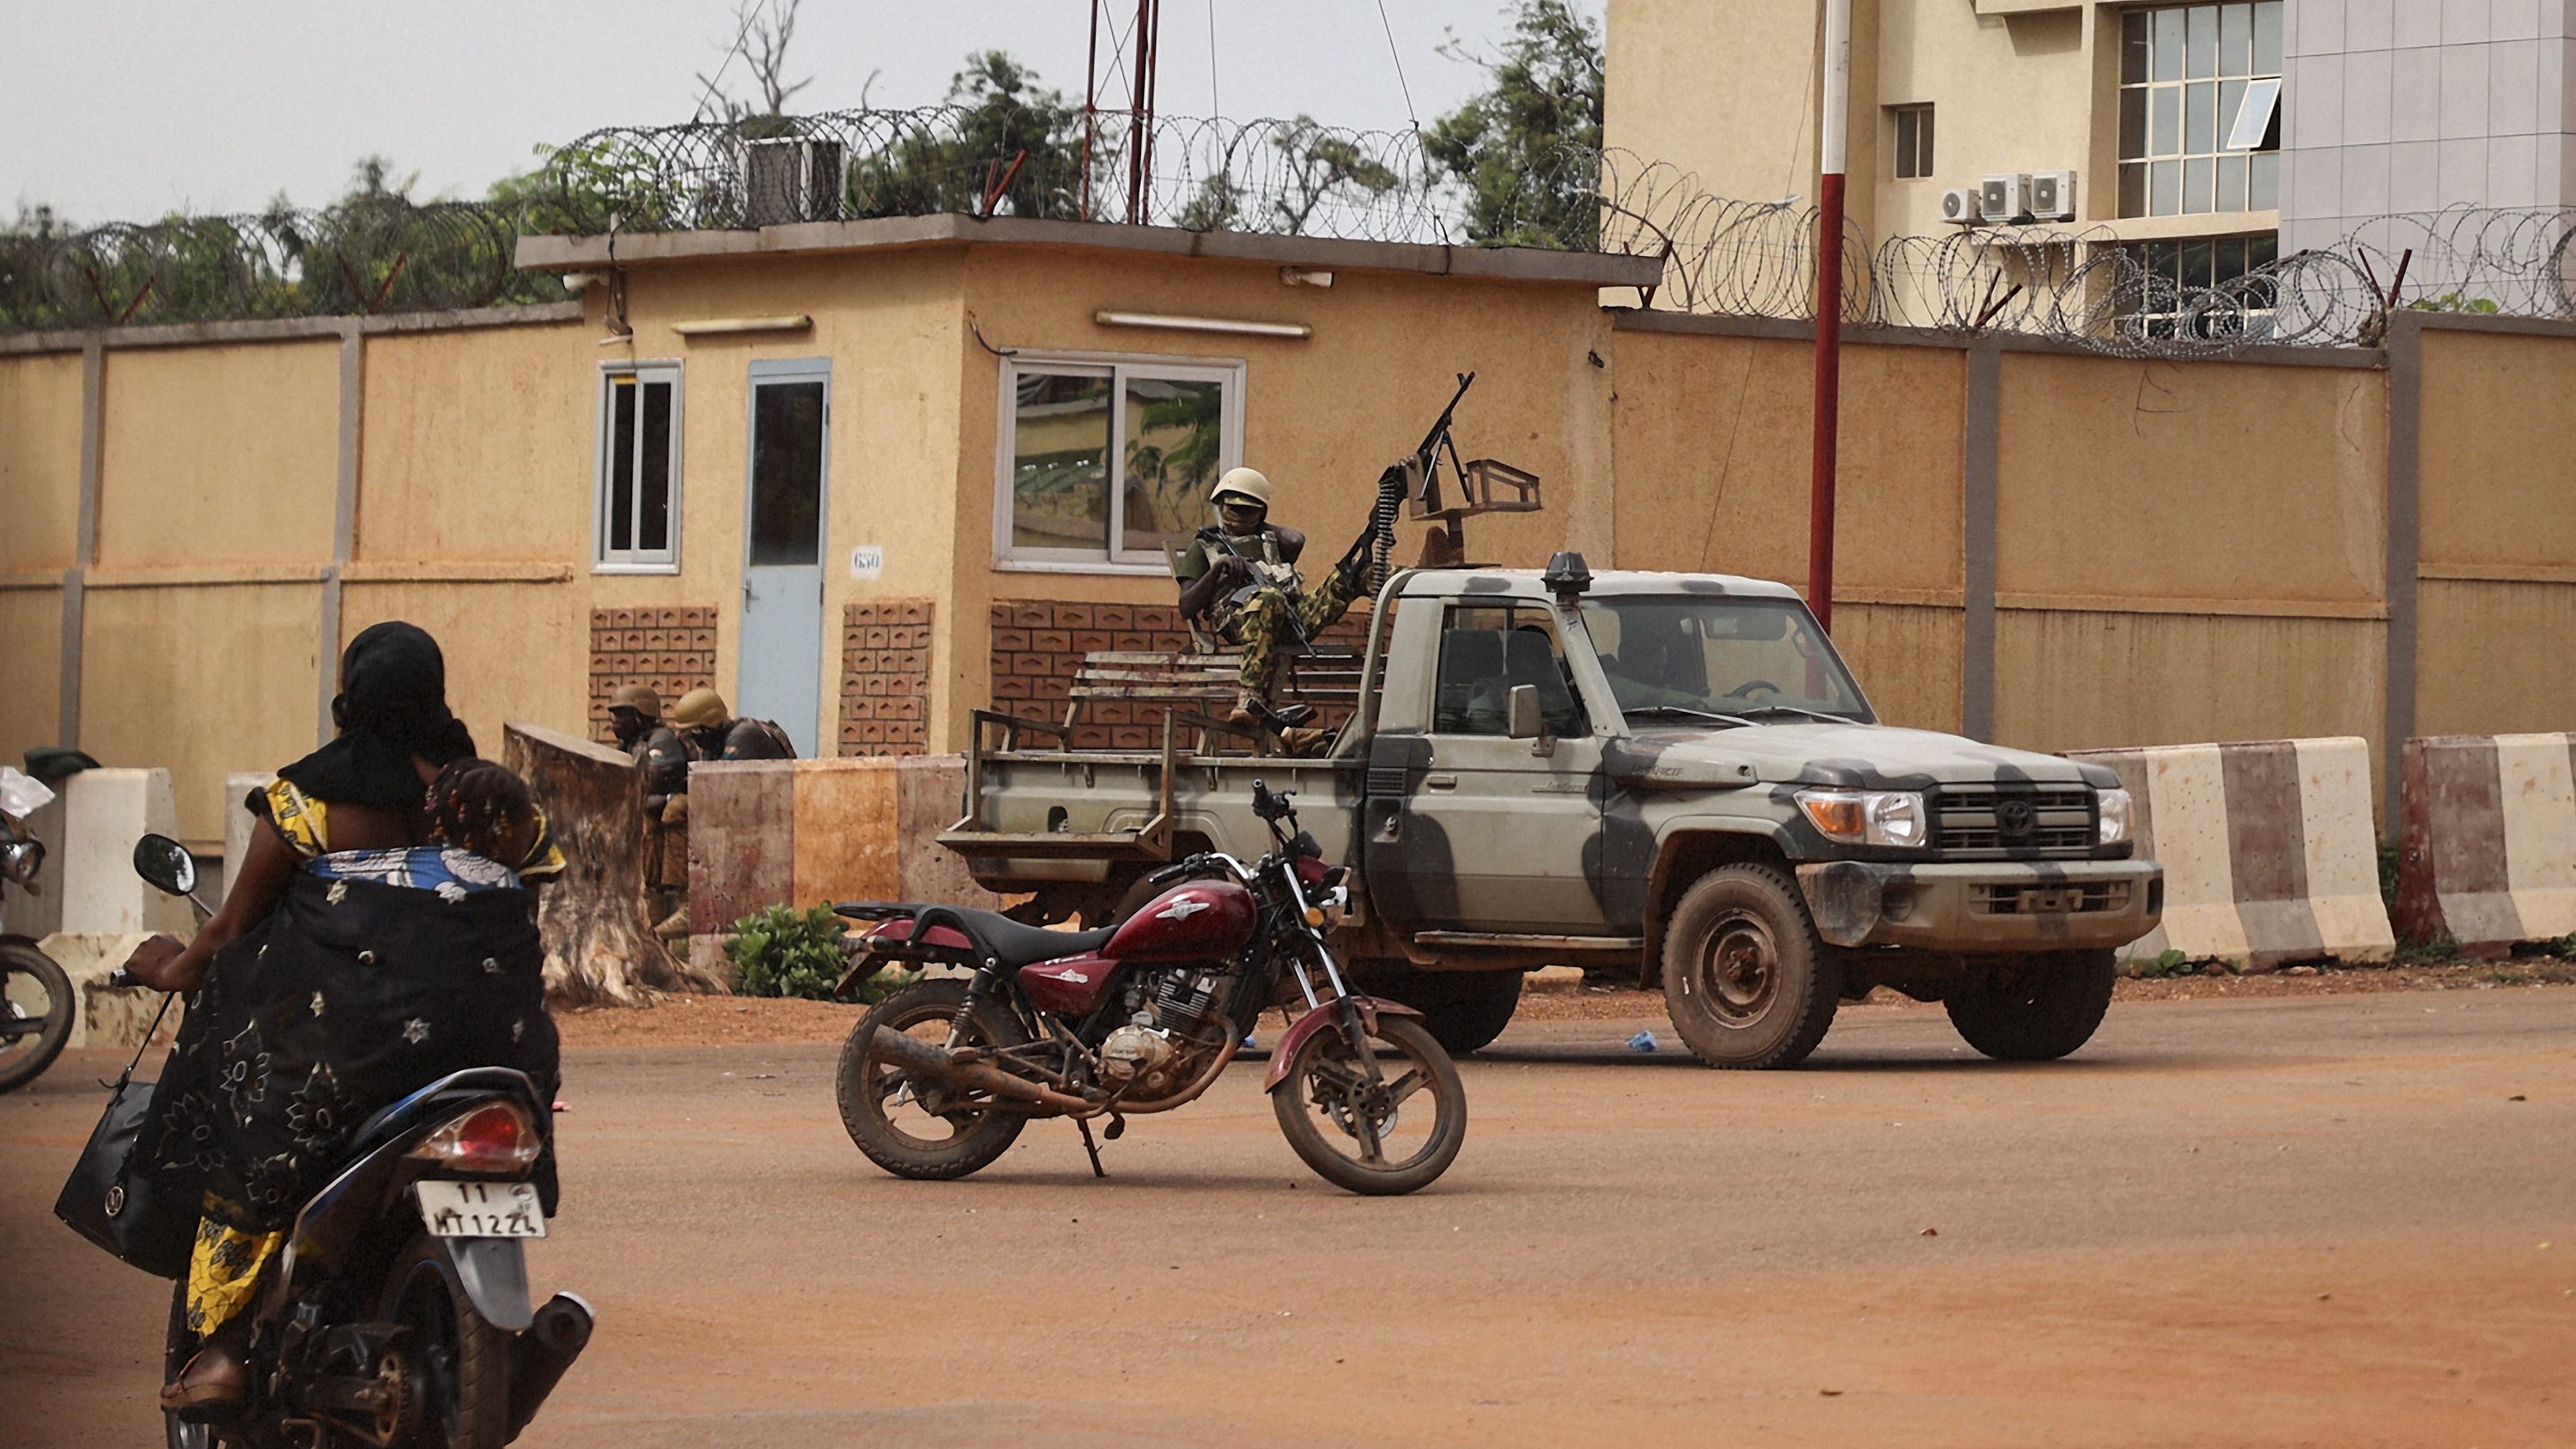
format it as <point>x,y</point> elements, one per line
<point>1197,920</point>
<point>1070,987</point>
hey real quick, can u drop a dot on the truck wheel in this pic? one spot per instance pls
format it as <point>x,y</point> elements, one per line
<point>1463,1010</point>
<point>2040,1013</point>
<point>1746,980</point>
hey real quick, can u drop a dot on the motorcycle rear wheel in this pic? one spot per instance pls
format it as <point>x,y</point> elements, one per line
<point>1354,1134</point>
<point>27,974</point>
<point>879,1107</point>
<point>460,1362</point>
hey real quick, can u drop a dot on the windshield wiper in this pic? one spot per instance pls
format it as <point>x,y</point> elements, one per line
<point>1763,709</point>
<point>1686,712</point>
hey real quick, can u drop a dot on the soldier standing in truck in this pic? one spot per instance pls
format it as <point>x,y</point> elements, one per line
<point>1239,579</point>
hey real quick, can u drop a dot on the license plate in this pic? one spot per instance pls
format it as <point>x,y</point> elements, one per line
<point>481,1209</point>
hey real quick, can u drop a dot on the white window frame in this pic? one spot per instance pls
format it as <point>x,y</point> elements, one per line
<point>606,560</point>
<point>1229,373</point>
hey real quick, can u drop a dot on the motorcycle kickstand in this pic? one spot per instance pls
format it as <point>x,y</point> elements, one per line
<point>1091,1147</point>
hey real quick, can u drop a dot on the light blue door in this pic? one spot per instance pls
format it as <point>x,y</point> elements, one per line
<point>782,577</point>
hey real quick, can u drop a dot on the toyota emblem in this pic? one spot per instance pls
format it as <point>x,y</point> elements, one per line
<point>2015,818</point>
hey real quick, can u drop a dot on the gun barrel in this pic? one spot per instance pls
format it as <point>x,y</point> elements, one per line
<point>1431,439</point>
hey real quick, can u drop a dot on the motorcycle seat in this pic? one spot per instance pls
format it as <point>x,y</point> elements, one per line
<point>1015,945</point>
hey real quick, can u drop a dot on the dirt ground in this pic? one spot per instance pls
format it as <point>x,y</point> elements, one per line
<point>716,1020</point>
<point>2330,1218</point>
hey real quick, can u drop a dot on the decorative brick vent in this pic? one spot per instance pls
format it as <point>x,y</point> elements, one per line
<point>885,677</point>
<point>673,650</point>
<point>1038,645</point>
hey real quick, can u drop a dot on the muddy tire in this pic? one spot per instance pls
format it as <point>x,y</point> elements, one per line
<point>38,1000</point>
<point>1748,983</point>
<point>1373,1140</point>
<point>1463,1010</point>
<point>2041,1013</point>
<point>881,1110</point>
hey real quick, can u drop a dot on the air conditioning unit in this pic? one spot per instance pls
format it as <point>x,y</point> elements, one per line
<point>2004,198</point>
<point>1959,204</point>
<point>2052,195</point>
<point>788,179</point>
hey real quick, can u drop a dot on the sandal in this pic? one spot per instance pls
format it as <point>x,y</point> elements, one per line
<point>215,1378</point>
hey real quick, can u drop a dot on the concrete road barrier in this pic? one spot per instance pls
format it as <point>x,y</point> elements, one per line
<point>2488,847</point>
<point>2269,852</point>
<point>104,813</point>
<point>805,832</point>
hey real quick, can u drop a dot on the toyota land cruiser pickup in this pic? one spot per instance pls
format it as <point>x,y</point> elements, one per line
<point>1667,775</point>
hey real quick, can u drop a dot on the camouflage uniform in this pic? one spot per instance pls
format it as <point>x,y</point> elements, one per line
<point>1260,620</point>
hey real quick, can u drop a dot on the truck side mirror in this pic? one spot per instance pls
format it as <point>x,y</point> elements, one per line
<point>1520,709</point>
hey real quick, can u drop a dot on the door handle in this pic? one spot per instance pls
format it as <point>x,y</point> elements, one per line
<point>1441,782</point>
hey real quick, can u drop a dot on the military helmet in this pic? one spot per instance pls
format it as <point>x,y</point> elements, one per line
<point>639,698</point>
<point>1243,483</point>
<point>700,709</point>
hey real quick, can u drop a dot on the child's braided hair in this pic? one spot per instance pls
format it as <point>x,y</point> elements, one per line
<point>485,808</point>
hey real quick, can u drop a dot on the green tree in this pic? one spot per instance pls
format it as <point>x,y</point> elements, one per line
<point>1524,150</point>
<point>1320,166</point>
<point>1001,111</point>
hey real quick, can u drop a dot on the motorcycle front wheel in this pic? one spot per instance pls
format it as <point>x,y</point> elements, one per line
<point>36,1006</point>
<point>884,1109</point>
<point>1386,1122</point>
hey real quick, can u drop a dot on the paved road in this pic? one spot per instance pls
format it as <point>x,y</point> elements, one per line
<point>2341,1222</point>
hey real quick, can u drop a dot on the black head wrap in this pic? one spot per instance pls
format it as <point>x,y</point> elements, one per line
<point>392,706</point>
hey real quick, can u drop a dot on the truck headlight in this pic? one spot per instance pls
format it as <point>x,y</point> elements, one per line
<point>1867,817</point>
<point>2114,813</point>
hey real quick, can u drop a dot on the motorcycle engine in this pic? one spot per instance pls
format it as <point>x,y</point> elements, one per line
<point>1144,1051</point>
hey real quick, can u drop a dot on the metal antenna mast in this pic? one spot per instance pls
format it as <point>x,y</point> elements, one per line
<point>1142,72</point>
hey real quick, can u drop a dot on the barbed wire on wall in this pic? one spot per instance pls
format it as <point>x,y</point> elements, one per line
<point>379,254</point>
<point>2083,285</point>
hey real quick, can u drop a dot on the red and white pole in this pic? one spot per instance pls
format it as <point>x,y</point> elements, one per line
<point>1834,145</point>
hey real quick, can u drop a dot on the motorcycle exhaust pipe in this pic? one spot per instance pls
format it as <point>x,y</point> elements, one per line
<point>552,1340</point>
<point>940,1064</point>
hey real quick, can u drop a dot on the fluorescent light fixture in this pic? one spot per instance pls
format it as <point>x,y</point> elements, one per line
<point>707,326</point>
<point>2254,116</point>
<point>1202,324</point>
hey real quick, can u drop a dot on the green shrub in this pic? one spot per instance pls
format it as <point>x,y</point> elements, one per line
<point>786,952</point>
<point>2168,963</point>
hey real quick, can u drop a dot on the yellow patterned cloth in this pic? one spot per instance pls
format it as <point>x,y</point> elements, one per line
<point>223,1271</point>
<point>306,824</point>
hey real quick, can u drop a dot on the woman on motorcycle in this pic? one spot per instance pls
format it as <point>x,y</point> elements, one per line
<point>379,934</point>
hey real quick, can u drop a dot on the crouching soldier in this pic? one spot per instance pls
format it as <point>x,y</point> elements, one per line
<point>635,716</point>
<point>707,731</point>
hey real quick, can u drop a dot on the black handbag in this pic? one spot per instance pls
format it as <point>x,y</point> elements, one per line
<point>141,1218</point>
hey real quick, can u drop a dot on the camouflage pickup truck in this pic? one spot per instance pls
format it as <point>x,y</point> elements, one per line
<point>1671,775</point>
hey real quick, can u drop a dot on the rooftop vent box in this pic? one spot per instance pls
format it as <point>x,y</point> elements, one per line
<point>2052,195</point>
<point>2004,198</point>
<point>788,179</point>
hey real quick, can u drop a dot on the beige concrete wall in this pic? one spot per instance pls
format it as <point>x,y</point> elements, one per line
<point>40,451</point>
<point>478,445</point>
<point>2216,481</point>
<point>513,650</point>
<point>205,680</point>
<point>2070,680</point>
<point>2010,92</point>
<point>223,454</point>
<point>1723,89</point>
<point>31,638</point>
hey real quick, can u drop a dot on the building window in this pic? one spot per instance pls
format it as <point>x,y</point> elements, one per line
<point>2174,278</point>
<point>1161,430</point>
<point>2200,93</point>
<point>1913,141</point>
<point>639,468</point>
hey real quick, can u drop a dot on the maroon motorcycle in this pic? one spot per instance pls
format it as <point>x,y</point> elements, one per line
<point>938,1079</point>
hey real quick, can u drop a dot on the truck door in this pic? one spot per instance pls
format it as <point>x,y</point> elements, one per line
<point>1491,835</point>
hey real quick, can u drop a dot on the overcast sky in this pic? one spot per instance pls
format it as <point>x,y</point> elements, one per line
<point>128,109</point>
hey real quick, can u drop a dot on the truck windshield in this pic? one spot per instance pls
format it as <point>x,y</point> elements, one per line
<point>1748,658</point>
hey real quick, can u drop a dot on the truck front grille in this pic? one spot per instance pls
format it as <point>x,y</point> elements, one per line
<point>2005,822</point>
<point>2020,900</point>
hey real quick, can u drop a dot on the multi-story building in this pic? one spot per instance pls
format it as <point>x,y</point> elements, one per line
<point>2211,137</point>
